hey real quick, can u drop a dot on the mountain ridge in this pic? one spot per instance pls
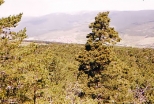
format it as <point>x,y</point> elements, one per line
<point>70,28</point>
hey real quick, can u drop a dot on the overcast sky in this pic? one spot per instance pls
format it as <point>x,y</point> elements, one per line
<point>43,7</point>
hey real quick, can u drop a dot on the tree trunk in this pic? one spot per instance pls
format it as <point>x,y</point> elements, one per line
<point>34,98</point>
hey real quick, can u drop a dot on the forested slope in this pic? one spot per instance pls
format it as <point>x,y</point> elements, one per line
<point>49,73</point>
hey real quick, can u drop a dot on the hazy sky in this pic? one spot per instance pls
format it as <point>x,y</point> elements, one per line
<point>42,7</point>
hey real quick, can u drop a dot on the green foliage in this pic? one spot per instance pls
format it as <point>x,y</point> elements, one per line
<point>101,30</point>
<point>139,72</point>
<point>98,53</point>
<point>127,79</point>
<point>98,50</point>
<point>115,75</point>
<point>9,41</point>
<point>55,65</point>
<point>45,74</point>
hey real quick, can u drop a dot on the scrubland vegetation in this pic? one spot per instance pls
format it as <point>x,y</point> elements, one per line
<point>95,73</point>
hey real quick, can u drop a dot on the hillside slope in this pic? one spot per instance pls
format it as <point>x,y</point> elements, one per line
<point>134,27</point>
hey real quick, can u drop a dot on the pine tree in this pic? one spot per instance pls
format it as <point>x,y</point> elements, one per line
<point>98,53</point>
<point>9,41</point>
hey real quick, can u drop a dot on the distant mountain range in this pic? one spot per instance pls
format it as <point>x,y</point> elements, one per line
<point>136,28</point>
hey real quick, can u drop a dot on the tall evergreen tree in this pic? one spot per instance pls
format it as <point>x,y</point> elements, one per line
<point>98,51</point>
